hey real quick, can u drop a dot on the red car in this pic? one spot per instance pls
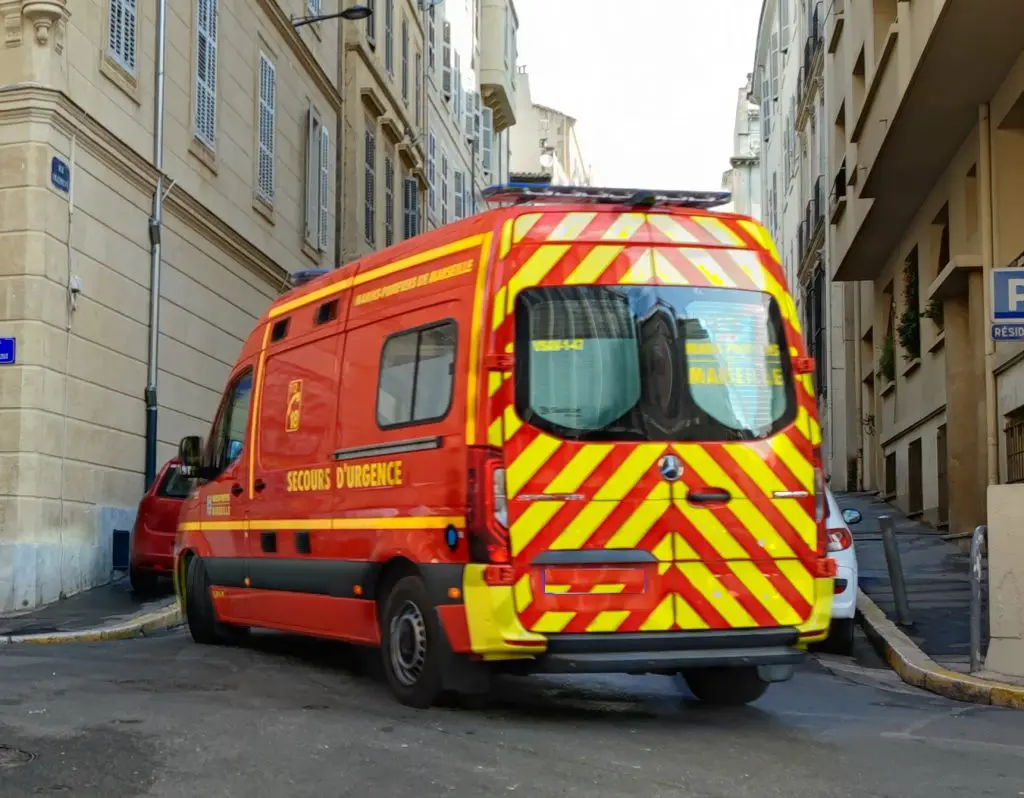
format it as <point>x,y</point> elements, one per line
<point>152,542</point>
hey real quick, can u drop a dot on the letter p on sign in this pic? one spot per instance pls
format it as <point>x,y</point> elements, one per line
<point>1016,291</point>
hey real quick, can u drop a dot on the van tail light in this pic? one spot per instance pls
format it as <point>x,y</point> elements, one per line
<point>839,539</point>
<point>487,508</point>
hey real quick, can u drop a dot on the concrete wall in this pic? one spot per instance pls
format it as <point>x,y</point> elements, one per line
<point>71,411</point>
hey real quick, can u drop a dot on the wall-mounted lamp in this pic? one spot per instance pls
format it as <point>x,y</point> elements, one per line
<point>352,13</point>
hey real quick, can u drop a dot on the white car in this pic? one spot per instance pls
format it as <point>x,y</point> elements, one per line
<point>844,604</point>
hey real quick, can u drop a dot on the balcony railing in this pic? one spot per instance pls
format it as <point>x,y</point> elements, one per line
<point>814,218</point>
<point>815,40</point>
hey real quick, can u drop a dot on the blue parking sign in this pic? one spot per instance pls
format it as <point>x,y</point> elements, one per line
<point>1008,295</point>
<point>8,351</point>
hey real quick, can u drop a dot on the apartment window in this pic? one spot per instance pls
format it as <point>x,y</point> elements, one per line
<point>313,6</point>
<point>318,186</point>
<point>818,340</point>
<point>431,169</point>
<point>267,110</point>
<point>371,23</point>
<point>369,189</point>
<point>418,89</point>
<point>446,61</point>
<point>460,194</point>
<point>1015,446</point>
<point>784,23</point>
<point>410,207</point>
<point>444,187</point>
<point>405,60</point>
<point>457,88</point>
<point>766,106</point>
<point>121,39</point>
<point>486,138</point>
<point>775,65</point>
<point>417,369</point>
<point>389,37</point>
<point>431,39</point>
<point>206,71</point>
<point>389,201</point>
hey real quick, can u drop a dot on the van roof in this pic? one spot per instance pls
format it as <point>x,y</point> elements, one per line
<point>528,199</point>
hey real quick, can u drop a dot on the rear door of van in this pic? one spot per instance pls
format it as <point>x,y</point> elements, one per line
<point>658,445</point>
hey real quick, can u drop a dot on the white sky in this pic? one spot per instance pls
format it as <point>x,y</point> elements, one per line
<point>652,83</point>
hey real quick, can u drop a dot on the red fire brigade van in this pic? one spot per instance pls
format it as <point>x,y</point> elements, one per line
<point>574,433</point>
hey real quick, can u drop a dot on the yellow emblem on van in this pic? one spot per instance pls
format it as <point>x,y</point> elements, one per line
<point>294,407</point>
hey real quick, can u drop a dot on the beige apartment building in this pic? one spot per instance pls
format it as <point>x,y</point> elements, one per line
<point>925,102</point>
<point>251,109</point>
<point>384,148</point>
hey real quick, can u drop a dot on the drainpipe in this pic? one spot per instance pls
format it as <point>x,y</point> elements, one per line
<point>155,225</point>
<point>987,262</point>
<point>858,387</point>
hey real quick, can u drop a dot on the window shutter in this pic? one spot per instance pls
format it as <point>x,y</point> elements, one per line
<point>369,187</point>
<point>371,23</point>
<point>775,65</point>
<point>206,71</point>
<point>471,130</point>
<point>444,187</point>
<point>389,36</point>
<point>389,201</point>
<point>121,41</point>
<point>431,167</point>
<point>446,61</point>
<point>325,186</point>
<point>267,109</point>
<point>418,89</point>
<point>411,205</point>
<point>457,87</point>
<point>312,181</point>
<point>431,40</point>
<point>486,138</point>
<point>460,195</point>
<point>405,59</point>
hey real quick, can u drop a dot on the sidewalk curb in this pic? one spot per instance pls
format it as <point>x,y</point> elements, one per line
<point>919,670</point>
<point>138,626</point>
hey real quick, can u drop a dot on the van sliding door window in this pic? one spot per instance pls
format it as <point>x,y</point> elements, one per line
<point>417,372</point>
<point>229,430</point>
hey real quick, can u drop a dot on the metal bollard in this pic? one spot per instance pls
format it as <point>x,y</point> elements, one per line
<point>977,541</point>
<point>892,560</point>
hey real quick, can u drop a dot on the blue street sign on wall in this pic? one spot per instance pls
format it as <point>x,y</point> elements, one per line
<point>1008,304</point>
<point>60,174</point>
<point>8,351</point>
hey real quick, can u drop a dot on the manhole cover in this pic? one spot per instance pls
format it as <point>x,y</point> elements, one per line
<point>12,757</point>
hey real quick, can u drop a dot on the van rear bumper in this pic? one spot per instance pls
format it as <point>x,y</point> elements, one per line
<point>669,652</point>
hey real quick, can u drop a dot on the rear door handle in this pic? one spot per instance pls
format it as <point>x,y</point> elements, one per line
<point>236,490</point>
<point>259,485</point>
<point>708,495</point>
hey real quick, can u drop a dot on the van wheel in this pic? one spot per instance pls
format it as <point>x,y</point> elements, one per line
<point>725,686</point>
<point>200,614</point>
<point>840,638</point>
<point>412,646</point>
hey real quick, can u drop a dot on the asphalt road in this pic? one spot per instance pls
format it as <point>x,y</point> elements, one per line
<point>285,718</point>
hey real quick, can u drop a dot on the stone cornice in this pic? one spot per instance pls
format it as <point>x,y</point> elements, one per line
<point>42,105</point>
<point>323,81</point>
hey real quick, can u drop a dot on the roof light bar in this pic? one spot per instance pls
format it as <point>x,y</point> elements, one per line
<point>305,276</point>
<point>518,193</point>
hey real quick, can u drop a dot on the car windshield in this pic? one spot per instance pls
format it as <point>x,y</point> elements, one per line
<point>175,485</point>
<point>652,363</point>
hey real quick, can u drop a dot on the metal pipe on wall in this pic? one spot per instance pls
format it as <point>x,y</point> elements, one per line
<point>155,226</point>
<point>987,264</point>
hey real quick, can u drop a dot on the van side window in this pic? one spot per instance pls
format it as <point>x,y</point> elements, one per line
<point>228,436</point>
<point>417,372</point>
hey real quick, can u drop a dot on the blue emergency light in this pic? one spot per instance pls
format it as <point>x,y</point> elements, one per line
<point>519,193</point>
<point>305,276</point>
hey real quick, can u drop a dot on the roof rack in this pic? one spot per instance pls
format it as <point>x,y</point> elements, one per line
<point>519,193</point>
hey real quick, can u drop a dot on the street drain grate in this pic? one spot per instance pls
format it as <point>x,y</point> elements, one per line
<point>12,757</point>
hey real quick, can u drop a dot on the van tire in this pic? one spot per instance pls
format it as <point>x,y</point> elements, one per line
<point>200,613</point>
<point>413,647</point>
<point>727,687</point>
<point>840,637</point>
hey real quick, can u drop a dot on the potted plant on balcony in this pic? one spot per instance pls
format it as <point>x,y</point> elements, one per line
<point>909,329</point>
<point>887,360</point>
